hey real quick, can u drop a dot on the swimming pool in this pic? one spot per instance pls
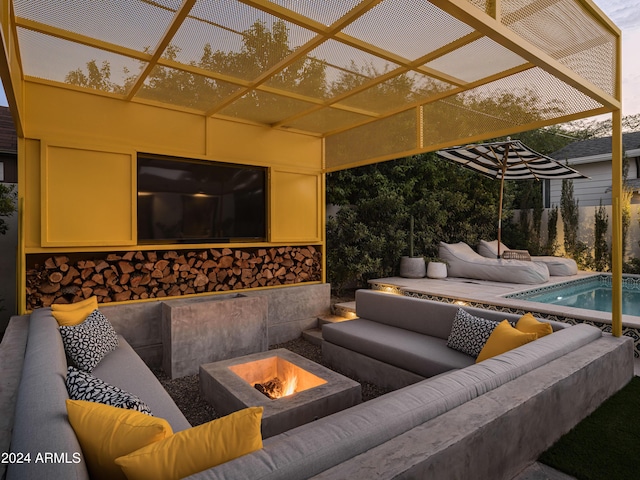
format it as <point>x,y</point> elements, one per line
<point>591,293</point>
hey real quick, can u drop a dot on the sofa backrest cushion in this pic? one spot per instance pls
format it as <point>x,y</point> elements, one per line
<point>423,316</point>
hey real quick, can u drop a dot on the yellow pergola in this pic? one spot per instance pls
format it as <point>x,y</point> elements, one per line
<point>373,79</point>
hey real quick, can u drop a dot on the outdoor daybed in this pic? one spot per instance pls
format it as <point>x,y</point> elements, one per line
<point>464,262</point>
<point>558,266</point>
<point>577,361</point>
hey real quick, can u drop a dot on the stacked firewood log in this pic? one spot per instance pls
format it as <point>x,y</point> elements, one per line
<point>137,275</point>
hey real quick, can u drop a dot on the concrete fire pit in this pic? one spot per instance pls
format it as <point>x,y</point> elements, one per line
<point>229,386</point>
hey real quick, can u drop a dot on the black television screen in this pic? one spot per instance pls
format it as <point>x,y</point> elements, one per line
<point>187,201</point>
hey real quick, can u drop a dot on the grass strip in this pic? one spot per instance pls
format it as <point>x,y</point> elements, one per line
<point>606,444</point>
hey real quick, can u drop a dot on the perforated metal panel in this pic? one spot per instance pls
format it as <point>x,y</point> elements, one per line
<point>470,62</point>
<point>527,97</point>
<point>326,120</point>
<point>408,29</point>
<point>358,72</point>
<point>58,60</point>
<point>376,139</point>
<point>180,88</point>
<point>132,24</point>
<point>564,30</point>
<point>264,108</point>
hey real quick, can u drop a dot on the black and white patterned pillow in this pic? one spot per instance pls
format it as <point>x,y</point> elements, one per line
<point>469,333</point>
<point>87,343</point>
<point>84,386</point>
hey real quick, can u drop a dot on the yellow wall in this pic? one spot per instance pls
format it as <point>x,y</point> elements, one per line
<point>79,185</point>
<point>78,169</point>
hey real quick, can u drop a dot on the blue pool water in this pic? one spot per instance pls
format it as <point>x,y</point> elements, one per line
<point>592,293</point>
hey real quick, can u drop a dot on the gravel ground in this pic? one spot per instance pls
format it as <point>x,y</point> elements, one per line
<point>185,391</point>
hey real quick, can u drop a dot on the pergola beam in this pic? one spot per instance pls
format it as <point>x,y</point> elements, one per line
<point>467,13</point>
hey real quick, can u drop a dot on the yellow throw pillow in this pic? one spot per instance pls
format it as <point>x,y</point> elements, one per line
<point>106,433</point>
<point>503,339</point>
<point>196,449</point>
<point>528,324</point>
<point>71,314</point>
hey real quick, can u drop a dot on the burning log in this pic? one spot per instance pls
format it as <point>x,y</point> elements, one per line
<point>271,388</point>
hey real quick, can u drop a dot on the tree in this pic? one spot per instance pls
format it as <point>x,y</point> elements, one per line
<point>570,216</point>
<point>262,47</point>
<point>371,228</point>
<point>602,259</point>
<point>8,202</point>
<point>603,128</point>
<point>552,230</point>
<point>96,77</point>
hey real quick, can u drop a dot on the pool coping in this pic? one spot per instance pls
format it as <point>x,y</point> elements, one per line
<point>492,296</point>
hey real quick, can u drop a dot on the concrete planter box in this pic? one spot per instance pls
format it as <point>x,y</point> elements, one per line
<point>200,332</point>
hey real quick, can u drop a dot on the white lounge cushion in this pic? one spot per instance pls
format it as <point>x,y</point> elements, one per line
<point>464,262</point>
<point>558,266</point>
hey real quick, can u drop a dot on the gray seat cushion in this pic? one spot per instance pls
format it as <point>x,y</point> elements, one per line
<point>422,354</point>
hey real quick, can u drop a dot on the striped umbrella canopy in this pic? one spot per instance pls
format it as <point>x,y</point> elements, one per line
<point>508,160</point>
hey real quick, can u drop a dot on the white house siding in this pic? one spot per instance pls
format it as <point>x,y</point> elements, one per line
<point>590,191</point>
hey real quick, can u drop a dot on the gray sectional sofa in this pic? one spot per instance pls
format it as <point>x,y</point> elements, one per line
<point>344,445</point>
<point>398,340</point>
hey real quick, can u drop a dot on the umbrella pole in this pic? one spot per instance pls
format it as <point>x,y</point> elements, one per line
<point>500,209</point>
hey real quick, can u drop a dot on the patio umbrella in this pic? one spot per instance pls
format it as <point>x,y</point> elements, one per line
<point>508,160</point>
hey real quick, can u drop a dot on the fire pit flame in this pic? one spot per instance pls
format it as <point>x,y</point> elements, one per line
<point>277,388</point>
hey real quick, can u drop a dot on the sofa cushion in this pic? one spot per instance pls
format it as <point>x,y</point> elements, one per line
<point>414,314</point>
<point>421,354</point>
<point>528,324</point>
<point>88,342</point>
<point>74,313</point>
<point>470,333</point>
<point>84,386</point>
<point>504,338</point>
<point>123,368</point>
<point>106,433</point>
<point>196,449</point>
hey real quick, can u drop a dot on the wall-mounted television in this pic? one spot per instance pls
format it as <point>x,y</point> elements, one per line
<point>190,201</point>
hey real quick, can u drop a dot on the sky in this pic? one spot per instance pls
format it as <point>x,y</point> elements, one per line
<point>626,15</point>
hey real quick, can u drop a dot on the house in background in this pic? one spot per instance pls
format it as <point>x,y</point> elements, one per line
<point>8,148</point>
<point>593,159</point>
<point>9,241</point>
